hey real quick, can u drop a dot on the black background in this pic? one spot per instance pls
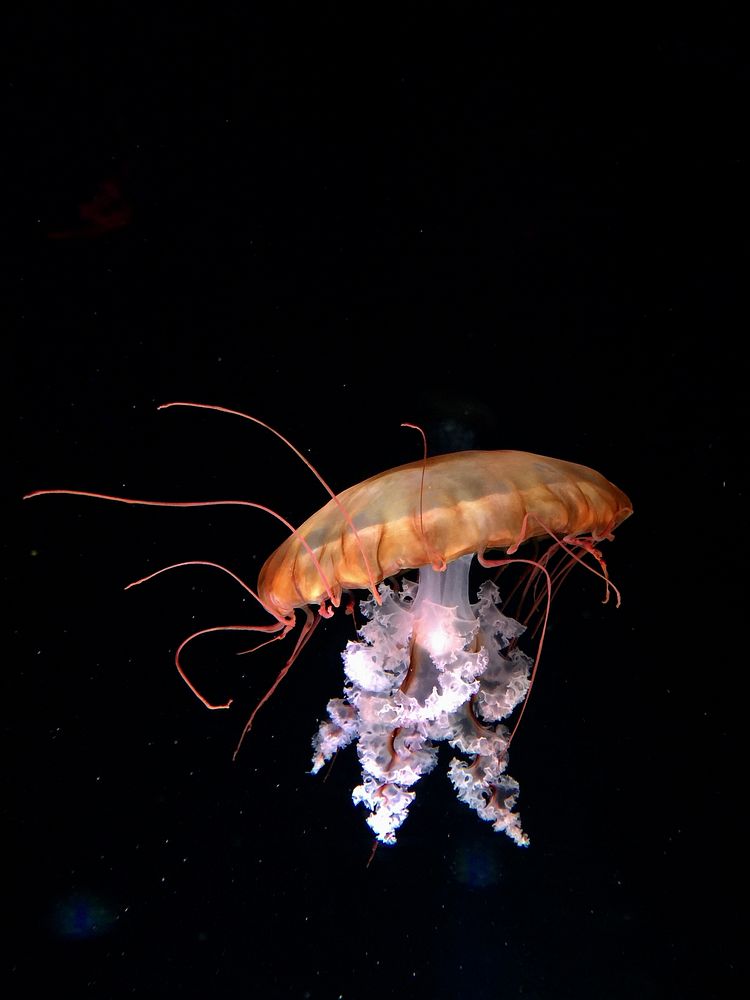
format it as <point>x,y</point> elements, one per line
<point>517,231</point>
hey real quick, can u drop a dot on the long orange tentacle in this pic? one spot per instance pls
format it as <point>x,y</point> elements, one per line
<point>310,466</point>
<point>437,560</point>
<point>278,626</point>
<point>491,563</point>
<point>585,542</point>
<point>282,624</point>
<point>202,562</point>
<point>201,503</point>
<point>307,630</point>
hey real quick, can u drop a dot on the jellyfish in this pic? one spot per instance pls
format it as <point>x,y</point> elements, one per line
<point>430,664</point>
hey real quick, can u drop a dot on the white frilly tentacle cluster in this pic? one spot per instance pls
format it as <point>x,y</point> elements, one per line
<point>430,666</point>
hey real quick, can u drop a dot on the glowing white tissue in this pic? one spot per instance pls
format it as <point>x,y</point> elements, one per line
<point>430,666</point>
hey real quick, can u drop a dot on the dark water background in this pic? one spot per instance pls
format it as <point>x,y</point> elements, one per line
<point>518,235</point>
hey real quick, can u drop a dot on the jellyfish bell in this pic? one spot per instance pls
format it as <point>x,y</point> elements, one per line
<point>433,512</point>
<point>430,664</point>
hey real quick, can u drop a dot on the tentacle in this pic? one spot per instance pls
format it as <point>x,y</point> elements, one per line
<point>586,542</point>
<point>277,627</point>
<point>436,558</point>
<point>307,462</point>
<point>308,628</point>
<point>199,503</point>
<point>489,564</point>
<point>206,562</point>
